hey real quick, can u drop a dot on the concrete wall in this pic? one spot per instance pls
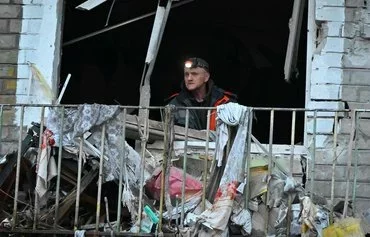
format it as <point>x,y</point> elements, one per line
<point>340,78</point>
<point>29,34</point>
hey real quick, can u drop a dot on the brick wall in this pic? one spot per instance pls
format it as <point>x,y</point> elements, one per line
<point>341,79</point>
<point>10,26</point>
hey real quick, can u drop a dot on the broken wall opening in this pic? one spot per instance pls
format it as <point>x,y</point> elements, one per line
<point>244,42</point>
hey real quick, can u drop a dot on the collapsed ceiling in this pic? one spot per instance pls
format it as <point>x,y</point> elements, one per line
<point>244,42</point>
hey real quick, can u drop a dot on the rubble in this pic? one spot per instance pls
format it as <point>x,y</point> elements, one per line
<point>272,194</point>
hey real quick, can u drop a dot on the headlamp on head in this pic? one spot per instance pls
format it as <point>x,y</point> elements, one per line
<point>196,62</point>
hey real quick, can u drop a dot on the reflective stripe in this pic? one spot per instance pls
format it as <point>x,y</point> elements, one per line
<point>212,122</point>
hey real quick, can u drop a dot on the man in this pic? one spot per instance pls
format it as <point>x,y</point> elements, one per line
<point>198,90</point>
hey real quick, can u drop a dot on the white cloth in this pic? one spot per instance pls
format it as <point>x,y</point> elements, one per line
<point>232,114</point>
<point>46,168</point>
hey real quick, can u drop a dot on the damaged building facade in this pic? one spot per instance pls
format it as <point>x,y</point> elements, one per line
<point>336,74</point>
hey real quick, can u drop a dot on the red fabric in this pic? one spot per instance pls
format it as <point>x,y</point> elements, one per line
<point>192,185</point>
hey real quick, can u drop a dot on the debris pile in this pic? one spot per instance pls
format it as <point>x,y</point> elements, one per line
<point>59,186</point>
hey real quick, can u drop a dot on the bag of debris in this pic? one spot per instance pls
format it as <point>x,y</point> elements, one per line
<point>192,185</point>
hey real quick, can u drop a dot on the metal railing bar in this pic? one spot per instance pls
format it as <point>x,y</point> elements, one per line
<point>335,136</point>
<point>1,126</point>
<point>247,159</point>
<point>18,169</point>
<point>313,154</point>
<point>206,162</point>
<point>144,138</point>
<point>123,167</point>
<point>79,172</point>
<point>100,181</point>
<point>290,198</point>
<point>184,166</point>
<point>356,161</point>
<point>57,197</point>
<point>37,207</point>
<point>349,161</point>
<point>269,169</point>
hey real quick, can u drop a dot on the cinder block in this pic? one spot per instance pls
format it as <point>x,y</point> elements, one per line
<point>32,11</point>
<point>334,3</point>
<point>330,105</point>
<point>4,26</point>
<point>332,28</point>
<point>327,76</point>
<point>363,125</point>
<point>9,41</point>
<point>356,105</point>
<point>8,56</point>
<point>336,45</point>
<point>351,30</point>
<point>323,125</point>
<point>355,3</point>
<point>353,14</point>
<point>328,13</point>
<point>357,55</point>
<point>10,11</point>
<point>353,76</point>
<point>31,26</point>
<point>26,55</point>
<point>356,93</point>
<point>365,31</point>
<point>8,71</point>
<point>325,92</point>
<point>8,86</point>
<point>15,26</point>
<point>324,172</point>
<point>7,99</point>
<point>323,188</point>
<point>28,2</point>
<point>28,41</point>
<point>326,156</point>
<point>326,60</point>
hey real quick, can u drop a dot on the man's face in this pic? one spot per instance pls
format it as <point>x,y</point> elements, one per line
<point>195,78</point>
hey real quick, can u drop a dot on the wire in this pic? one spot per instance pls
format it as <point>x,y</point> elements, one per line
<point>14,198</point>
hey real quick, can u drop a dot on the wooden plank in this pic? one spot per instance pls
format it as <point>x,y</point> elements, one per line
<point>70,199</point>
<point>156,130</point>
<point>277,149</point>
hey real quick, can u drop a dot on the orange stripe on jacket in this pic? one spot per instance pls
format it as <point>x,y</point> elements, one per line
<point>212,119</point>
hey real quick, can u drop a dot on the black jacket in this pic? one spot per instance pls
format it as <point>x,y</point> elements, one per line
<point>198,118</point>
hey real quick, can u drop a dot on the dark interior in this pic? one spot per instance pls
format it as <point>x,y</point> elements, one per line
<point>243,41</point>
